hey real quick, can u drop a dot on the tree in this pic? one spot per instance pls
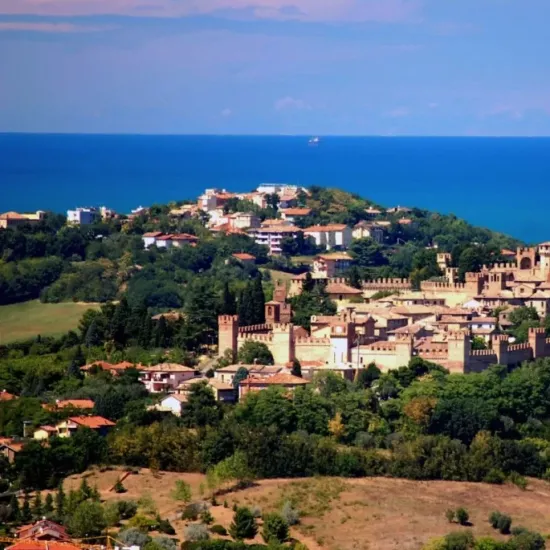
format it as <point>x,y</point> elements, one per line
<point>478,343</point>
<point>117,330</point>
<point>182,491</point>
<point>37,505</point>
<point>146,331</point>
<point>258,301</point>
<point>367,253</point>
<point>88,520</point>
<point>112,514</point>
<point>160,333</point>
<point>354,277</point>
<point>243,525</point>
<point>255,352</point>
<point>365,377</point>
<point>26,514</point>
<point>450,515</point>
<point>240,375</point>
<point>296,368</point>
<point>201,408</point>
<point>336,427</point>
<point>228,302</point>
<point>275,529</point>
<point>462,516</point>
<point>15,512</point>
<point>60,502</point>
<point>48,504</point>
<point>234,468</point>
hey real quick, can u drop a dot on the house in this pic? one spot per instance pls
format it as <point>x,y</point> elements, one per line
<point>165,377</point>
<point>244,258</point>
<point>9,220</point>
<point>291,215</point>
<point>82,404</point>
<point>222,391</point>
<point>272,236</point>
<point>149,239</point>
<point>172,403</point>
<point>185,211</point>
<point>279,188</point>
<point>98,424</point>
<point>32,544</point>
<point>44,432</point>
<point>115,370</point>
<point>7,396</point>
<point>330,265</point>
<point>330,236</point>
<point>256,383</point>
<point>227,374</point>
<point>83,216</point>
<point>9,448</point>
<point>366,230</point>
<point>43,529</point>
<point>243,220</point>
<point>161,240</point>
<point>339,291</point>
<point>399,209</point>
<point>372,212</point>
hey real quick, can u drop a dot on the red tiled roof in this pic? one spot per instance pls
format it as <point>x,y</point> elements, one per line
<point>48,428</point>
<point>322,228</point>
<point>244,256</point>
<point>42,526</point>
<point>73,403</point>
<point>341,288</point>
<point>278,229</point>
<point>152,234</point>
<point>12,216</point>
<point>335,256</point>
<point>296,211</point>
<point>93,422</point>
<point>184,237</point>
<point>7,396</point>
<point>103,365</point>
<point>166,367</point>
<point>275,380</point>
<point>42,545</point>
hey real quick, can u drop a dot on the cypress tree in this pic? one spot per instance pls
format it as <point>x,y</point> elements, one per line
<point>228,304</point>
<point>37,505</point>
<point>296,368</point>
<point>354,277</point>
<point>15,512</point>
<point>48,504</point>
<point>258,301</point>
<point>160,333</point>
<point>92,337</point>
<point>243,307</point>
<point>135,321</point>
<point>146,331</point>
<point>120,321</point>
<point>26,514</point>
<point>60,502</point>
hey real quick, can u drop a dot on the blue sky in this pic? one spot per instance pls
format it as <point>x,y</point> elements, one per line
<point>367,67</point>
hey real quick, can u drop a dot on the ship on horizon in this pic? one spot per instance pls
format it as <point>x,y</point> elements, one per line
<point>314,141</point>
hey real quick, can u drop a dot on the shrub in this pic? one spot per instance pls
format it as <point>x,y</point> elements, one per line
<point>290,514</point>
<point>450,515</point>
<point>275,529</point>
<point>495,476</point>
<point>206,517</point>
<point>164,526</point>
<point>527,540</point>
<point>225,504</point>
<point>119,488</point>
<point>127,509</point>
<point>256,511</point>
<point>219,530</point>
<point>164,543</point>
<point>133,537</point>
<point>243,525</point>
<point>182,491</point>
<point>502,522</point>
<point>193,510</point>
<point>518,480</point>
<point>462,516</point>
<point>196,532</point>
<point>459,540</point>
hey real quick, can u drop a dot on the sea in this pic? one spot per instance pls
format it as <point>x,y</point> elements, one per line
<point>499,183</point>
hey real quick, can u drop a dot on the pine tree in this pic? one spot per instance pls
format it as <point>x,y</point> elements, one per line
<point>146,331</point>
<point>48,504</point>
<point>354,277</point>
<point>85,491</point>
<point>119,322</point>
<point>92,337</point>
<point>94,494</point>
<point>60,502</point>
<point>309,283</point>
<point>296,368</point>
<point>228,303</point>
<point>133,328</point>
<point>37,505</point>
<point>15,512</point>
<point>79,357</point>
<point>244,306</point>
<point>26,514</point>
<point>258,301</point>
<point>160,333</point>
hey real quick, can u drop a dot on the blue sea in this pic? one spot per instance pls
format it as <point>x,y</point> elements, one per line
<point>500,183</point>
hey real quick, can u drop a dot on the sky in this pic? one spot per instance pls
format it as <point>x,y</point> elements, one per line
<point>347,67</point>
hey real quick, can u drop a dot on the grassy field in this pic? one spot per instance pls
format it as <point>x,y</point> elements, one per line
<point>21,321</point>
<point>280,275</point>
<point>346,514</point>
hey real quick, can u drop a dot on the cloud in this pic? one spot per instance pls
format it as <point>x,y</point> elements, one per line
<point>289,103</point>
<point>398,112</point>
<point>29,26</point>
<point>226,113</point>
<point>306,10</point>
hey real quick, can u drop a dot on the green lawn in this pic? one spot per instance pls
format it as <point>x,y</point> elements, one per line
<point>279,275</point>
<point>21,321</point>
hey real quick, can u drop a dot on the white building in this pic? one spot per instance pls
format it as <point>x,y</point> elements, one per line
<point>365,230</point>
<point>272,236</point>
<point>161,240</point>
<point>83,216</point>
<point>331,236</point>
<point>165,377</point>
<point>243,220</point>
<point>279,188</point>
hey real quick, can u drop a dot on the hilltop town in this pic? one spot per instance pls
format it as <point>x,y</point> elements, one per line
<point>283,332</point>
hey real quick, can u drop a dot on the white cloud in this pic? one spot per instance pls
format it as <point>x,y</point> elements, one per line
<point>226,113</point>
<point>290,103</point>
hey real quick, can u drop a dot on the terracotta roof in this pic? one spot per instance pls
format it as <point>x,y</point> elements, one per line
<point>243,256</point>
<point>43,526</point>
<point>184,237</point>
<point>335,256</point>
<point>296,211</point>
<point>12,216</point>
<point>341,288</point>
<point>507,252</point>
<point>405,221</point>
<point>42,545</point>
<point>166,367</point>
<point>15,446</point>
<point>408,329</point>
<point>103,365</point>
<point>73,403</point>
<point>47,428</point>
<point>169,316</point>
<point>93,422</point>
<point>278,229</point>
<point>152,234</point>
<point>371,210</point>
<point>177,396</point>
<point>477,320</point>
<point>323,228</point>
<point>7,396</point>
<point>275,380</point>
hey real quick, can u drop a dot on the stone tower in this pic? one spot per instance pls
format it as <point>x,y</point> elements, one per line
<point>282,347</point>
<point>228,333</point>
<point>342,338</point>
<point>459,348</point>
<point>526,258</point>
<point>544,252</point>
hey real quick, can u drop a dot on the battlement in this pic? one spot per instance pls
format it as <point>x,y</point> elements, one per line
<point>435,286</point>
<point>481,352</point>
<point>384,347</point>
<point>265,327</point>
<point>308,340</point>
<point>536,330</point>
<point>473,276</point>
<point>526,249</point>
<point>228,319</point>
<point>500,338</point>
<point>548,341</point>
<point>266,338</point>
<point>517,347</point>
<point>460,334</point>
<point>387,284</point>
<point>282,327</point>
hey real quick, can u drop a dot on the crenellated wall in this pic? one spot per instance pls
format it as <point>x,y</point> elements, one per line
<point>312,349</point>
<point>387,284</point>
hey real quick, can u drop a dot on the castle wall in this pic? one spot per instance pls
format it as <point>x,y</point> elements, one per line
<point>313,349</point>
<point>387,284</point>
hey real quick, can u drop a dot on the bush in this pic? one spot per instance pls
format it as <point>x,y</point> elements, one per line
<point>164,543</point>
<point>133,537</point>
<point>495,476</point>
<point>196,532</point>
<point>462,516</point>
<point>243,525</point>
<point>459,540</point>
<point>164,526</point>
<point>275,529</point>
<point>206,517</point>
<point>450,515</point>
<point>127,509</point>
<point>119,488</point>
<point>502,522</point>
<point>192,511</point>
<point>256,511</point>
<point>527,540</point>
<point>290,514</point>
<point>182,491</point>
<point>518,480</point>
<point>219,530</point>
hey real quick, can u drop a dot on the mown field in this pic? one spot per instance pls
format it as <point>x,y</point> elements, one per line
<point>28,319</point>
<point>349,514</point>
